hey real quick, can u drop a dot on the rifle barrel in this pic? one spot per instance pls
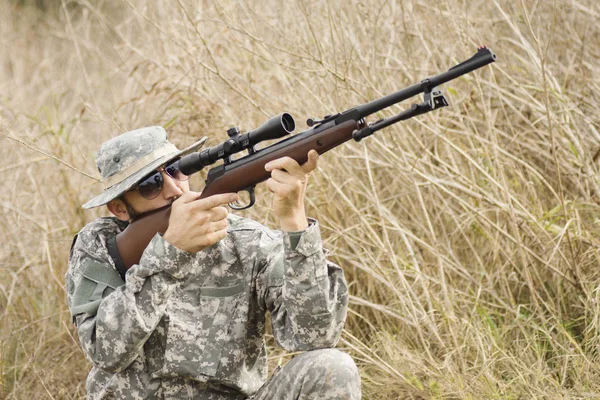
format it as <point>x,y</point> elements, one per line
<point>484,56</point>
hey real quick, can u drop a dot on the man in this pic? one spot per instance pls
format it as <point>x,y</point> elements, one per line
<point>188,320</point>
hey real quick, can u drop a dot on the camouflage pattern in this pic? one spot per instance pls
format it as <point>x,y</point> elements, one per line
<point>123,151</point>
<point>326,374</point>
<point>192,325</point>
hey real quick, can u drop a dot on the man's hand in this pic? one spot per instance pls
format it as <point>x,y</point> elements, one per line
<point>195,223</point>
<point>288,185</point>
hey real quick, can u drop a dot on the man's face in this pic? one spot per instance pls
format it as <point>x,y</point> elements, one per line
<point>137,204</point>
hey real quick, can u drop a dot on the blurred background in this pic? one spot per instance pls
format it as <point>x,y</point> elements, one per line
<point>469,236</point>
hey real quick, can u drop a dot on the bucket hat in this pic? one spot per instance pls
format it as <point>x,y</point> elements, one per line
<point>125,159</point>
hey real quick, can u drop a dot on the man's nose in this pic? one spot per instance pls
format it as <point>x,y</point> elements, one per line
<point>170,186</point>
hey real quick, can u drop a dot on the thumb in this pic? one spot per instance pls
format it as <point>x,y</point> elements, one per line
<point>311,163</point>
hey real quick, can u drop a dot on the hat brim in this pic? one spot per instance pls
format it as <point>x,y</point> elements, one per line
<point>118,189</point>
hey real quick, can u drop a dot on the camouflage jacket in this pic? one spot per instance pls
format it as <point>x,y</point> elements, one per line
<point>200,317</point>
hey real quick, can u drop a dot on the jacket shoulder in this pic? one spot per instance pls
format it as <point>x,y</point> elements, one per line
<point>95,234</point>
<point>89,246</point>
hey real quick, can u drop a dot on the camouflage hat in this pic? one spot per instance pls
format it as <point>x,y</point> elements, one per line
<point>124,160</point>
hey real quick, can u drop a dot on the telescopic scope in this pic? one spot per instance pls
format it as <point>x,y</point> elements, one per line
<point>275,128</point>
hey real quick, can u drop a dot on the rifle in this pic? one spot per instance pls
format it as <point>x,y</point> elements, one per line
<point>245,173</point>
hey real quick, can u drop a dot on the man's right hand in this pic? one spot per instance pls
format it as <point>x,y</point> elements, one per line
<point>195,223</point>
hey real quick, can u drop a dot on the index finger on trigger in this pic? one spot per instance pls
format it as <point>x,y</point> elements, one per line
<point>216,201</point>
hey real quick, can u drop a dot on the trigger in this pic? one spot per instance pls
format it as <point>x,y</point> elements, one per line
<point>238,205</point>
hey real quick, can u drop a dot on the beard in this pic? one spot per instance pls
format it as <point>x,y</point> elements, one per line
<point>133,213</point>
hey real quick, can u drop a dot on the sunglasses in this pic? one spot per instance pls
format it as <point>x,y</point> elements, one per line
<point>150,186</point>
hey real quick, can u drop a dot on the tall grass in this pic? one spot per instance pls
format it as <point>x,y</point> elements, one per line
<point>469,236</point>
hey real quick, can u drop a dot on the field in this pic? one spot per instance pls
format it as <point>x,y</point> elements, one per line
<point>469,236</point>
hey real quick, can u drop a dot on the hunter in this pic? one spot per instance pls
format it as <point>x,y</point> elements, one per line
<point>188,321</point>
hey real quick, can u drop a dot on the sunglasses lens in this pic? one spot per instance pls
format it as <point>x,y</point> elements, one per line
<point>150,187</point>
<point>174,171</point>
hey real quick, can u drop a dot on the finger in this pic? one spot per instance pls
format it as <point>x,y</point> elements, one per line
<point>203,217</point>
<point>218,214</point>
<point>219,225</point>
<point>311,164</point>
<point>215,201</point>
<point>216,236</point>
<point>281,189</point>
<point>288,164</point>
<point>285,177</point>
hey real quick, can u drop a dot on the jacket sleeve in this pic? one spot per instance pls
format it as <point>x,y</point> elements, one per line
<point>306,294</point>
<point>114,319</point>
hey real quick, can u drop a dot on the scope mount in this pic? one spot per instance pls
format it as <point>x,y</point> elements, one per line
<point>315,121</point>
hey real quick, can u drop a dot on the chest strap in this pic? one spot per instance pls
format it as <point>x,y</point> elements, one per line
<point>111,244</point>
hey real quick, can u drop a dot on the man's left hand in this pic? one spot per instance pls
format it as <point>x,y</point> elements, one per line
<point>288,185</point>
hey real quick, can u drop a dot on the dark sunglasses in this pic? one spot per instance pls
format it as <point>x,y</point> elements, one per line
<point>150,186</point>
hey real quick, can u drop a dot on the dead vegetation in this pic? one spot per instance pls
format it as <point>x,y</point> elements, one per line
<point>469,236</point>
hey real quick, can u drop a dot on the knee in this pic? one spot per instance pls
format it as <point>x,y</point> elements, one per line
<point>334,366</point>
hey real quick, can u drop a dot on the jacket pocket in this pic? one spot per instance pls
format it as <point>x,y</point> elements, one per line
<point>199,330</point>
<point>97,282</point>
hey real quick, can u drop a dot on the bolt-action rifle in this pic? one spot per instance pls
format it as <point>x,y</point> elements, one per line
<point>244,173</point>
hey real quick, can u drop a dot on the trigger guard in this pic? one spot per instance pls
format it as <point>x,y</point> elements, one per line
<point>250,191</point>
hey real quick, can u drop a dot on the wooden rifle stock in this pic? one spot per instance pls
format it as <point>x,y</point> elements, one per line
<point>132,242</point>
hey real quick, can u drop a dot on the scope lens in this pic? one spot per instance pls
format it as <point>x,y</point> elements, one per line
<point>288,122</point>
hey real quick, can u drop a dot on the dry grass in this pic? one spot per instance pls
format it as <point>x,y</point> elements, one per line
<point>469,236</point>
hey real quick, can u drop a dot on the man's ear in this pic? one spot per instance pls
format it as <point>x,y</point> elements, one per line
<point>118,209</point>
